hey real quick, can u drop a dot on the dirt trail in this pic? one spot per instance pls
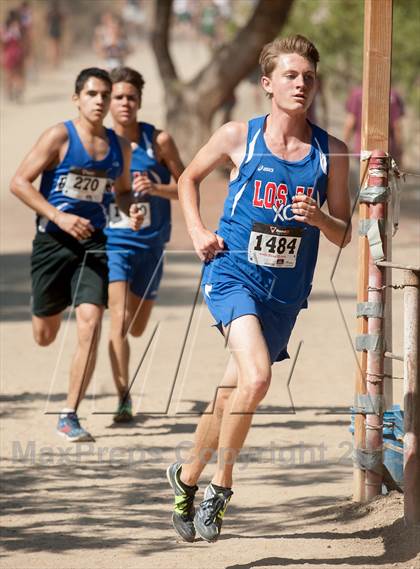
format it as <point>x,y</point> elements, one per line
<point>107,504</point>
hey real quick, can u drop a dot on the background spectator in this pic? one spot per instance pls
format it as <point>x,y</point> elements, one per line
<point>13,56</point>
<point>55,24</point>
<point>353,122</point>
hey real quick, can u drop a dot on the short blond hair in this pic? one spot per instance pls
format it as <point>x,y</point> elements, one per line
<point>292,44</point>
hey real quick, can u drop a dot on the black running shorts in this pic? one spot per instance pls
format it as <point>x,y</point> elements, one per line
<point>68,272</point>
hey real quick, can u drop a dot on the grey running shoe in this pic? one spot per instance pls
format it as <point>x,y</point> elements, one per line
<point>209,517</point>
<point>183,514</point>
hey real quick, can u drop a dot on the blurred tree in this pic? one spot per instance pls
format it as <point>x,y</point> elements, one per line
<point>405,49</point>
<point>190,106</point>
<point>337,30</point>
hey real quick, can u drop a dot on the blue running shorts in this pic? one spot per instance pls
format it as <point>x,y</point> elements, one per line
<point>231,299</point>
<point>141,268</point>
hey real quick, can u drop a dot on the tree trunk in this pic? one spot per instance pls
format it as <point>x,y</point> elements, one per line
<point>184,120</point>
<point>190,106</point>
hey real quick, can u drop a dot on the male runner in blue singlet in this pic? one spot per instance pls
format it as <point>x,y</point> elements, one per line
<point>135,259</point>
<point>260,263</point>
<point>79,161</point>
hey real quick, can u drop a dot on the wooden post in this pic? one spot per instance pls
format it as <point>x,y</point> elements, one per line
<point>375,132</point>
<point>411,398</point>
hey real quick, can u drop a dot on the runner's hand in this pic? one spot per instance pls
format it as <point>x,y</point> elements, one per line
<point>142,184</point>
<point>306,209</point>
<point>136,217</point>
<point>78,227</point>
<point>207,244</point>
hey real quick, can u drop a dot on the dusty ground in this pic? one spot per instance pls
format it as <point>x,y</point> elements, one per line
<point>107,504</point>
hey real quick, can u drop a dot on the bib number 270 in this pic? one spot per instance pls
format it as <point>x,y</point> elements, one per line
<point>83,184</point>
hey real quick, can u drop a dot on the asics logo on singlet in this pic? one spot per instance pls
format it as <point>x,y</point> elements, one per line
<point>264,169</point>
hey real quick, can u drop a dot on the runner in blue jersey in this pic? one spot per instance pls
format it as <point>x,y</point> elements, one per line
<point>136,259</point>
<point>258,266</point>
<point>79,161</point>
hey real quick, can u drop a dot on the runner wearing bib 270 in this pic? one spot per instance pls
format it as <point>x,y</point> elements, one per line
<point>135,260</point>
<point>78,184</point>
<point>260,263</point>
<point>79,161</point>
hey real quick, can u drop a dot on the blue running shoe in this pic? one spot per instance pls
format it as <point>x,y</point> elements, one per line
<point>69,427</point>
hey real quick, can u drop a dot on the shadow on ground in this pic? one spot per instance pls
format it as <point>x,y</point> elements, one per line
<point>77,499</point>
<point>128,505</point>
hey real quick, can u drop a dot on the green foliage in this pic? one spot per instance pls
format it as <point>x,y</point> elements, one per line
<point>405,45</point>
<point>336,28</point>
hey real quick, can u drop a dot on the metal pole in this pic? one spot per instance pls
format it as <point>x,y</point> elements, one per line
<point>378,176</point>
<point>411,398</point>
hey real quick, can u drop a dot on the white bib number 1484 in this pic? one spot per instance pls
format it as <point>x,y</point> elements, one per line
<point>274,246</point>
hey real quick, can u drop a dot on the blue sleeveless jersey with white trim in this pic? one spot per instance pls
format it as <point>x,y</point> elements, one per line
<point>269,251</point>
<point>91,180</point>
<point>156,229</point>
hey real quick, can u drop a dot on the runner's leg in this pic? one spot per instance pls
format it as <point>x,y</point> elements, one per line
<point>45,328</point>
<point>88,318</point>
<point>119,349</point>
<point>250,353</point>
<point>208,429</point>
<point>141,309</point>
<point>129,313</point>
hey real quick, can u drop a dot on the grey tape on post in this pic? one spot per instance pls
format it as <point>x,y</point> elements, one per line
<point>370,309</point>
<point>367,459</point>
<point>368,404</point>
<point>375,242</point>
<point>369,342</point>
<point>365,225</point>
<point>374,194</point>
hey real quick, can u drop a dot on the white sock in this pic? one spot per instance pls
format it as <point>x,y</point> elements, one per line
<point>65,412</point>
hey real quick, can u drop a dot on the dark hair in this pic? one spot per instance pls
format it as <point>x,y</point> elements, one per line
<point>12,16</point>
<point>292,44</point>
<point>128,75</point>
<point>86,74</point>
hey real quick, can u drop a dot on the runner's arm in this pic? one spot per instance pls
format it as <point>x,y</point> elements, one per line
<point>335,225</point>
<point>227,143</point>
<point>44,155</point>
<point>41,157</point>
<point>124,196</point>
<point>167,152</point>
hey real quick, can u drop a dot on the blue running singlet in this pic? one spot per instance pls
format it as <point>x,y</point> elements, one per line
<point>79,185</point>
<point>156,228</point>
<point>267,250</point>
